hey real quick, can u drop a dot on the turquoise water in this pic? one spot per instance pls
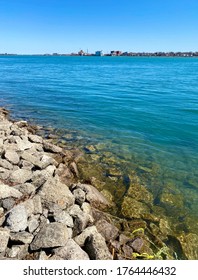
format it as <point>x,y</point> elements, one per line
<point>143,110</point>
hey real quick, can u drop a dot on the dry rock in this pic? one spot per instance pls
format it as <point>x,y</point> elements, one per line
<point>96,248</point>
<point>7,191</point>
<point>17,219</point>
<point>21,237</point>
<point>4,173</point>
<point>5,164</point>
<point>64,218</point>
<point>48,147</point>
<point>21,176</point>
<point>71,251</point>
<point>4,237</point>
<point>35,138</point>
<point>56,192</point>
<point>12,156</point>
<point>52,235</point>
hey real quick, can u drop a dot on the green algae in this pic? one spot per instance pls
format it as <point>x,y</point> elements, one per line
<point>144,190</point>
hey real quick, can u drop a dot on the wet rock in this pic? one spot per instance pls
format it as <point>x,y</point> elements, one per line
<point>21,176</point>
<point>54,191</point>
<point>7,191</point>
<point>17,219</point>
<point>96,248</point>
<point>126,252</point>
<point>172,200</point>
<point>52,235</point>
<point>139,193</point>
<point>132,208</point>
<point>71,251</point>
<point>4,237</point>
<point>108,231</point>
<point>136,244</point>
<point>74,169</point>
<point>90,148</point>
<point>189,243</point>
<point>12,156</point>
<point>94,197</point>
<point>165,227</point>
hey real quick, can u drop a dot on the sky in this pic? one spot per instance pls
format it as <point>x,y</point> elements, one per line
<point>65,26</point>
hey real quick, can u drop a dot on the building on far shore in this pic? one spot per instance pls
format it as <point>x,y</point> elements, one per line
<point>81,53</point>
<point>99,53</point>
<point>115,53</point>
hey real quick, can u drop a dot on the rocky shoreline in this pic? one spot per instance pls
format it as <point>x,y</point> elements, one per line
<point>47,212</point>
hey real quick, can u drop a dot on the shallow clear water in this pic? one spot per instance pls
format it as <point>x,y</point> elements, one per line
<point>143,110</point>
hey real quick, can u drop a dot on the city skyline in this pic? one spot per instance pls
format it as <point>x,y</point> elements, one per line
<point>39,27</point>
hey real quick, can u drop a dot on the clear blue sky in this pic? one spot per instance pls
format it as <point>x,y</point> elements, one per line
<point>46,26</point>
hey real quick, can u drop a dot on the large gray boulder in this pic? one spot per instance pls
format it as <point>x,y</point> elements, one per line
<point>53,191</point>
<point>51,235</point>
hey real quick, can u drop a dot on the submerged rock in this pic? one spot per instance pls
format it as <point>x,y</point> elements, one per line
<point>132,208</point>
<point>189,243</point>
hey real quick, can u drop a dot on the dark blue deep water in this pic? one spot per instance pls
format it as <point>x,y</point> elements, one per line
<point>142,110</point>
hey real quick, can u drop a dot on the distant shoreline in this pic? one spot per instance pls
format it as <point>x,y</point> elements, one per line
<point>115,54</point>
